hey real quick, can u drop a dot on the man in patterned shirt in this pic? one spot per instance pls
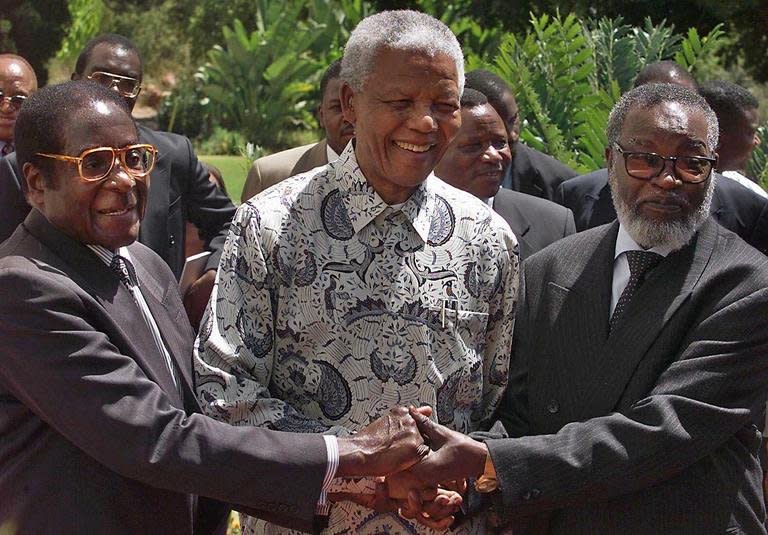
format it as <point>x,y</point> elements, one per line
<point>370,283</point>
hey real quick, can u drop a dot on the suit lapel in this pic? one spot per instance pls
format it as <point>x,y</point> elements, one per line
<point>315,157</point>
<point>91,274</point>
<point>665,289</point>
<point>579,302</point>
<point>155,296</point>
<point>505,206</point>
<point>154,226</point>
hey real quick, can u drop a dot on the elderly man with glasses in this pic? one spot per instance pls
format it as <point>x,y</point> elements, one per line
<point>180,189</point>
<point>638,373</point>
<point>101,431</point>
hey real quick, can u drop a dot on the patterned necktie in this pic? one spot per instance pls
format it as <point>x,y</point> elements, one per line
<point>7,149</point>
<point>123,268</point>
<point>640,262</point>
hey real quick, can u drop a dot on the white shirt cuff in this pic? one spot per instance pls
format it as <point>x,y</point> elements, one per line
<point>323,506</point>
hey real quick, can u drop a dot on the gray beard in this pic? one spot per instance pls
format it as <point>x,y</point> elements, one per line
<point>648,233</point>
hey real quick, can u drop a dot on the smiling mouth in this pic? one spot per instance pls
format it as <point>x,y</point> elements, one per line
<point>117,211</point>
<point>413,148</point>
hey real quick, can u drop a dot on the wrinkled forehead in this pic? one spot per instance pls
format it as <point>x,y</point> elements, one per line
<point>115,59</point>
<point>98,123</point>
<point>664,121</point>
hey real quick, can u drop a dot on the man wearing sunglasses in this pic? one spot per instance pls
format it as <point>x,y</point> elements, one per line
<point>17,82</point>
<point>180,189</point>
<point>638,372</point>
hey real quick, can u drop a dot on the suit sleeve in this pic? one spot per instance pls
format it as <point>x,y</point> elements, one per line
<point>57,360</point>
<point>570,225</point>
<point>208,208</point>
<point>703,399</point>
<point>252,182</point>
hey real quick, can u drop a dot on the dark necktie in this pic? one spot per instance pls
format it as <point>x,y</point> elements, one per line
<point>7,149</point>
<point>123,268</point>
<point>640,262</point>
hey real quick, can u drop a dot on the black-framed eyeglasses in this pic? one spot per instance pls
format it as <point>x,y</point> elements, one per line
<point>127,86</point>
<point>648,165</point>
<point>14,100</point>
<point>95,164</point>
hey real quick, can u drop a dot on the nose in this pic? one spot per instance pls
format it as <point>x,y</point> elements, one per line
<point>5,104</point>
<point>120,179</point>
<point>423,119</point>
<point>492,154</point>
<point>667,179</point>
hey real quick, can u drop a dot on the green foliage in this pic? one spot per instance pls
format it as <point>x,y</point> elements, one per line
<point>568,73</point>
<point>758,164</point>
<point>222,141</point>
<point>258,83</point>
<point>86,16</point>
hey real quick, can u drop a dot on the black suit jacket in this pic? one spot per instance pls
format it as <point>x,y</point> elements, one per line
<point>535,222</point>
<point>179,191</point>
<point>735,207</point>
<point>649,429</point>
<point>95,437</point>
<point>535,173</point>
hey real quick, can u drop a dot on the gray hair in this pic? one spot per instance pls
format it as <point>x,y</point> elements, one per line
<point>397,30</point>
<point>649,95</point>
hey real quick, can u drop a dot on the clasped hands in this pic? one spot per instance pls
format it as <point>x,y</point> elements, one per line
<point>420,466</point>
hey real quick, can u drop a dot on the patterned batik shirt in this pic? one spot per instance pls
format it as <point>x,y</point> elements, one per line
<point>330,307</point>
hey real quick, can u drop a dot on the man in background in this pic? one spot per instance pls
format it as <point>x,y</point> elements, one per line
<point>17,82</point>
<point>531,172</point>
<point>271,169</point>
<point>738,115</point>
<point>477,160</point>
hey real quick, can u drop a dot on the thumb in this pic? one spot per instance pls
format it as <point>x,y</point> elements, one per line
<point>431,432</point>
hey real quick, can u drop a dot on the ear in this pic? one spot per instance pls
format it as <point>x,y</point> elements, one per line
<point>35,185</point>
<point>608,156</point>
<point>347,95</point>
<point>320,116</point>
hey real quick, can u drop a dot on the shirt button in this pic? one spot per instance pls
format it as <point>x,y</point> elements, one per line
<point>171,240</point>
<point>553,406</point>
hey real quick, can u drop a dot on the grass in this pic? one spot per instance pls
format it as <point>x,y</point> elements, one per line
<point>234,169</point>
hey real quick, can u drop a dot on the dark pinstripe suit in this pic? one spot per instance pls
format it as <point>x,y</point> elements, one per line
<point>651,429</point>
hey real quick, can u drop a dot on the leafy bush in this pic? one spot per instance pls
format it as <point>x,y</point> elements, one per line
<point>758,164</point>
<point>222,142</point>
<point>567,74</point>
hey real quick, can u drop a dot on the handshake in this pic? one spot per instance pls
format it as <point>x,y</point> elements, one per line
<point>420,466</point>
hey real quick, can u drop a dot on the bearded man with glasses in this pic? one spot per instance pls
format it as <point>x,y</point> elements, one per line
<point>638,372</point>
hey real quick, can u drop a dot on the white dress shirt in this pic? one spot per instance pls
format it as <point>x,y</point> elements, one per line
<point>744,181</point>
<point>624,243</point>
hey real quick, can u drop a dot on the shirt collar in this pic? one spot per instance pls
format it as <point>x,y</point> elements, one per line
<point>105,255</point>
<point>363,204</point>
<point>624,243</point>
<point>330,153</point>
